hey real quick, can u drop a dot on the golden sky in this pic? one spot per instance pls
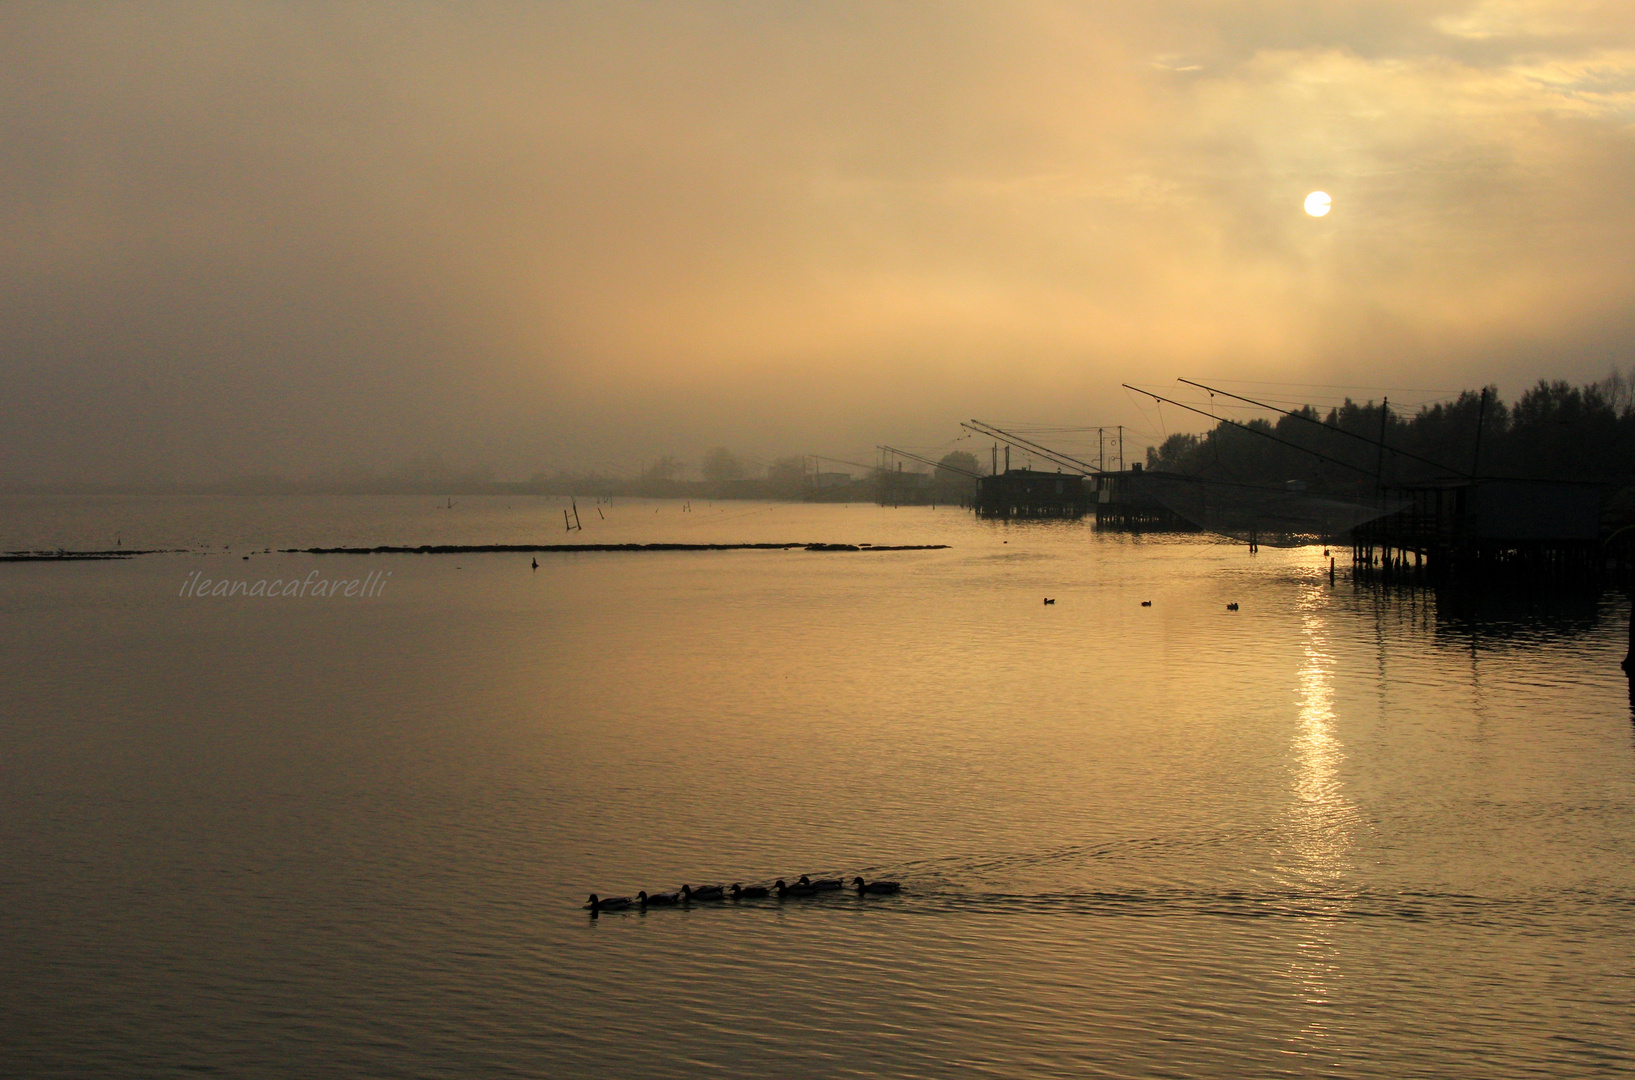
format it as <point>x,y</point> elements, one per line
<point>278,237</point>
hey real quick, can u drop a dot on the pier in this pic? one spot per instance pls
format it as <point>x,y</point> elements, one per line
<point>1490,527</point>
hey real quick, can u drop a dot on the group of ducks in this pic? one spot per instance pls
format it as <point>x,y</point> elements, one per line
<point>804,887</point>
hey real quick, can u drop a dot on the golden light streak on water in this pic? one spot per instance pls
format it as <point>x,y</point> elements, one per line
<point>1322,821</point>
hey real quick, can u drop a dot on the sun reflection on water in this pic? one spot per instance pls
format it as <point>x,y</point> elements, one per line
<point>1320,828</point>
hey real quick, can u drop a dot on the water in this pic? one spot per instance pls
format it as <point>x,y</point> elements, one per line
<point>1340,832</point>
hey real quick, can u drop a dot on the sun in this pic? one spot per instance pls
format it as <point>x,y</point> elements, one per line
<point>1318,203</point>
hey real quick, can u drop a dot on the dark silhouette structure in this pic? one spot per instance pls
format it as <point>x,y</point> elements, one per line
<point>1487,526</point>
<point>1028,493</point>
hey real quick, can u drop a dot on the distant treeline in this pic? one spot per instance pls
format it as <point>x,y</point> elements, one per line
<point>1553,431</point>
<point>725,476</point>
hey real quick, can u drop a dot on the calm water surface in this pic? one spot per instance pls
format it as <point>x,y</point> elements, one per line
<point>1340,832</point>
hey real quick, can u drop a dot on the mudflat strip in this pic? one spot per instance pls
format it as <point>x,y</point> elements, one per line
<point>465,549</point>
<point>471,549</point>
<point>67,556</point>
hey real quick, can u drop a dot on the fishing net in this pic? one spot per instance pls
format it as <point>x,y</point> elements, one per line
<point>1273,516</point>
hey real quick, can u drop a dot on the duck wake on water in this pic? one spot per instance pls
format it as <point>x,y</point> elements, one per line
<point>803,888</point>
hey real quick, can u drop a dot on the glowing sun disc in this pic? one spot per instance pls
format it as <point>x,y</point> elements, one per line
<point>1318,203</point>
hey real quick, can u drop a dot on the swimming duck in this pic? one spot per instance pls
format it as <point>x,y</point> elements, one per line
<point>876,886</point>
<point>796,889</point>
<point>612,903</point>
<point>663,899</point>
<point>1050,600</point>
<point>823,884</point>
<point>754,892</point>
<point>1146,603</point>
<point>703,892</point>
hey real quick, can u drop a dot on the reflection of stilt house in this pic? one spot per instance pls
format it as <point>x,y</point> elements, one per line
<point>1027,493</point>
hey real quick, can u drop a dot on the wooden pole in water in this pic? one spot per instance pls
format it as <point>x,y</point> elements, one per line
<point>1629,657</point>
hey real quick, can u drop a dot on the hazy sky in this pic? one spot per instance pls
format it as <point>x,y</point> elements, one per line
<point>290,236</point>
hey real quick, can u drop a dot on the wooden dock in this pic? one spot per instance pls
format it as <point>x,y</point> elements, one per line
<point>1490,527</point>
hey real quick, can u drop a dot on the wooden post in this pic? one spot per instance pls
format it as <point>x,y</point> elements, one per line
<point>1629,656</point>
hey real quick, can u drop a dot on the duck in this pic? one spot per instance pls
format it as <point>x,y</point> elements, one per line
<point>1232,606</point>
<point>796,889</point>
<point>1050,599</point>
<point>663,899</point>
<point>876,886</point>
<point>612,903</point>
<point>822,884</point>
<point>754,892</point>
<point>703,892</point>
<point>1146,603</point>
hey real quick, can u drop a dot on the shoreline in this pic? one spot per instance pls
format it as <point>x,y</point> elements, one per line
<point>465,549</point>
<point>523,549</point>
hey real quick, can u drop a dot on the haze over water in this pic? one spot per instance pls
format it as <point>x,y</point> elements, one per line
<point>249,238</point>
<point>1341,831</point>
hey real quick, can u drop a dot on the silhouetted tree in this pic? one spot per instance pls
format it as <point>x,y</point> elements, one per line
<point>951,480</point>
<point>667,467</point>
<point>1554,430</point>
<point>721,466</point>
<point>954,465</point>
<point>1174,453</point>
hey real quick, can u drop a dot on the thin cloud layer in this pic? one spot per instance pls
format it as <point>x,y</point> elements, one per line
<point>287,237</point>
